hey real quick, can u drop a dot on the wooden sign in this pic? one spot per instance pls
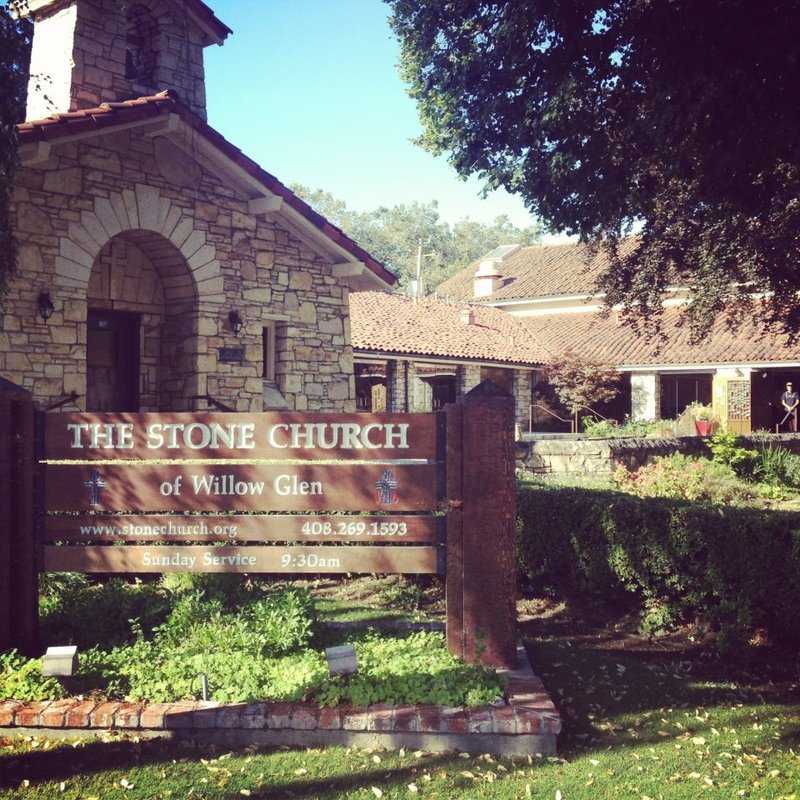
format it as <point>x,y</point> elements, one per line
<point>239,487</point>
<point>276,436</point>
<point>244,528</point>
<point>142,559</point>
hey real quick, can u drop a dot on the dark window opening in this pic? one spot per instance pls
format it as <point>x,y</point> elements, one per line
<point>371,391</point>
<point>268,353</point>
<point>140,56</point>
<point>680,391</point>
<point>443,392</point>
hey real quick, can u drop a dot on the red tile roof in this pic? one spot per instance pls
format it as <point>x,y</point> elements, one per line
<point>537,271</point>
<point>610,341</point>
<point>109,115</point>
<point>394,323</point>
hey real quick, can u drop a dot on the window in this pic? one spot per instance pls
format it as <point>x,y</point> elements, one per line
<point>268,347</point>
<point>140,56</point>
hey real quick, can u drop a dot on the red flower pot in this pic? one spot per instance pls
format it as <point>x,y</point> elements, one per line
<point>703,427</point>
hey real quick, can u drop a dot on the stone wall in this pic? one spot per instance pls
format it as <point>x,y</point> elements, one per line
<point>590,456</point>
<point>143,195</point>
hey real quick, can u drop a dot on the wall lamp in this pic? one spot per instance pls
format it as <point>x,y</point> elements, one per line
<point>45,306</point>
<point>236,322</point>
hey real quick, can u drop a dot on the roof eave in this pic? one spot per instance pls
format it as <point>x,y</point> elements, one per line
<point>36,137</point>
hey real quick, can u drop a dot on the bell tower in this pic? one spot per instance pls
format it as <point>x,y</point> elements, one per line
<point>88,52</point>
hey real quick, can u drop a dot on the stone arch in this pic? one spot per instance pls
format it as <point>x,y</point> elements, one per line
<point>141,277</point>
<point>142,209</point>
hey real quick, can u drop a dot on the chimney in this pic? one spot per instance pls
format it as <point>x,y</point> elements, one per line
<point>487,278</point>
<point>467,316</point>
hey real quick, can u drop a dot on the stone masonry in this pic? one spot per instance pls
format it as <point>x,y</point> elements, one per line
<point>88,52</point>
<point>129,221</point>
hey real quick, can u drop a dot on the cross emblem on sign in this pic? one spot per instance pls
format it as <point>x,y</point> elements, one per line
<point>387,488</point>
<point>95,485</point>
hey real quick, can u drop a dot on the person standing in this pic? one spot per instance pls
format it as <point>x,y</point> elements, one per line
<point>790,400</point>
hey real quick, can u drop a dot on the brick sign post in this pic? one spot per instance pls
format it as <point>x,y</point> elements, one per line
<point>272,493</point>
<point>481,529</point>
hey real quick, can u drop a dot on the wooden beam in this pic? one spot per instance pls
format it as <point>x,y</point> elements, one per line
<point>266,205</point>
<point>347,269</point>
<point>243,488</point>
<point>254,560</point>
<point>317,529</point>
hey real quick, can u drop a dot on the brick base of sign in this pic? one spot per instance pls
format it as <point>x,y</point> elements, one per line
<point>526,722</point>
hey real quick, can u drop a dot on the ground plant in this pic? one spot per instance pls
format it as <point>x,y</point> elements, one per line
<point>250,640</point>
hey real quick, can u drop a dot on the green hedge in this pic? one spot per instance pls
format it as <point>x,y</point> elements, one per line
<point>737,567</point>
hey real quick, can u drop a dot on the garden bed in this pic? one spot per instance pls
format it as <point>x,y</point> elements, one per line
<point>146,648</point>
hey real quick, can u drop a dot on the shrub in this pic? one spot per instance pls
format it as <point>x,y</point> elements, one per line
<point>685,477</point>
<point>75,611</point>
<point>777,466</point>
<point>609,429</point>
<point>725,449</point>
<point>738,567</point>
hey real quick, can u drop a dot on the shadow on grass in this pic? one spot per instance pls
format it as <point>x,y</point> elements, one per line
<point>610,685</point>
<point>96,758</point>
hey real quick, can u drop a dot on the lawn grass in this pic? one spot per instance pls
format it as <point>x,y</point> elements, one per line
<point>642,720</point>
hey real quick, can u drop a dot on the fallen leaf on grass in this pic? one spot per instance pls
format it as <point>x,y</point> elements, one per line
<point>376,791</point>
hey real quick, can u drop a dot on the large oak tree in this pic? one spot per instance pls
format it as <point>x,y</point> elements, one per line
<point>676,119</point>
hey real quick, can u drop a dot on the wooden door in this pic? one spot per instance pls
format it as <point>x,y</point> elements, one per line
<point>112,361</point>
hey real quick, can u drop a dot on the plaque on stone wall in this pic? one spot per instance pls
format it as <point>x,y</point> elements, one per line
<point>230,355</point>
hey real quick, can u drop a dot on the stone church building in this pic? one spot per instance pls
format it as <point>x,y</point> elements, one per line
<point>160,268</point>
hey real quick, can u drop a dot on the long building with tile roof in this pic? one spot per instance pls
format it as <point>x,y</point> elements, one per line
<point>552,289</point>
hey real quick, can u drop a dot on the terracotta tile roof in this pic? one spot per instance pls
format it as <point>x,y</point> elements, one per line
<point>536,271</point>
<point>609,341</point>
<point>109,115</point>
<point>394,323</point>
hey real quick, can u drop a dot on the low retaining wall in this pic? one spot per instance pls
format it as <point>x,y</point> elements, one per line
<point>586,455</point>
<point>525,722</point>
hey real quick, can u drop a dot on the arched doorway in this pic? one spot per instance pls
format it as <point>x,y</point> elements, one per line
<point>141,326</point>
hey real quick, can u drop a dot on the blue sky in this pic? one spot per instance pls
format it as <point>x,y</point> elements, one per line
<point>310,90</point>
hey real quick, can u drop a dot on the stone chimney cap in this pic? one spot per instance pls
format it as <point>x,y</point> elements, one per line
<point>490,263</point>
<point>488,269</point>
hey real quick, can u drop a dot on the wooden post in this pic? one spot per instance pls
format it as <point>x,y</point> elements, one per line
<point>19,591</point>
<point>5,522</point>
<point>481,548</point>
<point>24,545</point>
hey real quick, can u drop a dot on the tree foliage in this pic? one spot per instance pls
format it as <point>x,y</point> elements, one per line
<point>580,384</point>
<point>392,235</point>
<point>676,119</point>
<point>15,39</point>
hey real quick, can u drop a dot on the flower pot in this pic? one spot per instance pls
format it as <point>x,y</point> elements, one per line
<point>703,427</point>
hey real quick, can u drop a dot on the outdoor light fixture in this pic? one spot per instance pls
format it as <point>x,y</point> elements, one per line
<point>46,307</point>
<point>342,660</point>
<point>60,662</point>
<point>235,321</point>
